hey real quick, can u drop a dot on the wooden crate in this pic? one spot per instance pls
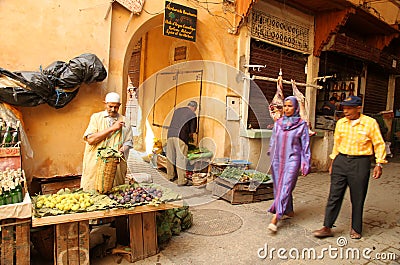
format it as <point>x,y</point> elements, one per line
<point>54,184</point>
<point>15,241</point>
<point>10,157</point>
<point>42,239</point>
<point>239,192</point>
<point>161,161</point>
<point>143,235</point>
<point>71,243</point>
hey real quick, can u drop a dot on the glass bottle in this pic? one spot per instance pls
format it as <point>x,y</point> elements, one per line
<point>7,196</point>
<point>13,194</point>
<point>14,138</point>
<point>342,96</point>
<point>2,202</point>
<point>18,189</point>
<point>15,134</point>
<point>7,138</point>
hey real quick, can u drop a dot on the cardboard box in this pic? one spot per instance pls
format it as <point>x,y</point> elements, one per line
<point>17,210</point>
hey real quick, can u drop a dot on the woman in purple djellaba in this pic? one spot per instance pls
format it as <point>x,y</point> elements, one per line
<point>289,150</point>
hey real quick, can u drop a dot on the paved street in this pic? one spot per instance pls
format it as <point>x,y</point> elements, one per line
<point>234,234</point>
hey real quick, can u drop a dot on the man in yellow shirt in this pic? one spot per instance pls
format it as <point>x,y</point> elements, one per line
<point>357,138</point>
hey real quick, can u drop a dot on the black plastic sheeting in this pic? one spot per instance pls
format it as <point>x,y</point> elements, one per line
<point>55,85</point>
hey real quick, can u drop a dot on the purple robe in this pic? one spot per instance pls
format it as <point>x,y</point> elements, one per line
<point>289,152</point>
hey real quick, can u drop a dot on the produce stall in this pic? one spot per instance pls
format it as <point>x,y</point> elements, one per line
<point>70,212</point>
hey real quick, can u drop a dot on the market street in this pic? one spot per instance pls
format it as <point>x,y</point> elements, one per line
<point>241,235</point>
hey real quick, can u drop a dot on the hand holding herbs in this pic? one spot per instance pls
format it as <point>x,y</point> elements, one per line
<point>107,152</point>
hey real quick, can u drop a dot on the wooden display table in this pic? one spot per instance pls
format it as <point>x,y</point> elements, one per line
<point>72,232</point>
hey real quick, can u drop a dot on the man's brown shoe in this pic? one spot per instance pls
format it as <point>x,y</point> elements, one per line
<point>323,232</point>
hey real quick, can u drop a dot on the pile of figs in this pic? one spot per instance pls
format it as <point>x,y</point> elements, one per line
<point>138,195</point>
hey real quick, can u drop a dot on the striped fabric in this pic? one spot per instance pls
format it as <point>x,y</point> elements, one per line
<point>362,137</point>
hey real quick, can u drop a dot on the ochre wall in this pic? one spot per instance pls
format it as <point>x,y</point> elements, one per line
<point>37,33</point>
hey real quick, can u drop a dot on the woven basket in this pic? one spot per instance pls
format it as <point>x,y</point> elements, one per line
<point>106,169</point>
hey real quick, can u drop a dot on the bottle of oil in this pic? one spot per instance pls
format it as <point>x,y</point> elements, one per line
<point>7,196</point>
<point>14,194</point>
<point>7,138</point>
<point>18,184</point>
<point>2,202</point>
<point>18,190</point>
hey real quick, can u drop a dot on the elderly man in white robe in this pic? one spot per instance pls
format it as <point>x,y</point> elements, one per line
<point>106,128</point>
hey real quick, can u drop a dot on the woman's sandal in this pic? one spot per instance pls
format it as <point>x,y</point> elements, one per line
<point>354,234</point>
<point>272,227</point>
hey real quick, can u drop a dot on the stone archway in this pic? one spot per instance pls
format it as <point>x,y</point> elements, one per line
<point>153,26</point>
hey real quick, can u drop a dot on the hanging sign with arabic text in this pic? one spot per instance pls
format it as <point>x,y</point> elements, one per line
<point>180,21</point>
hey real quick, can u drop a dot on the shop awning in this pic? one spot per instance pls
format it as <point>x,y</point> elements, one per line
<point>335,16</point>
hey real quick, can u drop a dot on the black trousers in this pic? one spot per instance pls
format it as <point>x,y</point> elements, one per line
<point>353,172</point>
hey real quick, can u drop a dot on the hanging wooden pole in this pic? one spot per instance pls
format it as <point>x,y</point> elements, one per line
<point>254,77</point>
<point>109,9</point>
<point>129,21</point>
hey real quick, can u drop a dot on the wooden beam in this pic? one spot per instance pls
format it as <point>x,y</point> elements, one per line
<point>75,217</point>
<point>257,77</point>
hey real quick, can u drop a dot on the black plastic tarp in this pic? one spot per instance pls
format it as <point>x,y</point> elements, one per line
<point>55,85</point>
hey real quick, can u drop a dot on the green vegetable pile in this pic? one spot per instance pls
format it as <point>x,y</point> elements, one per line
<point>172,222</point>
<point>242,175</point>
<point>196,152</point>
<point>256,175</point>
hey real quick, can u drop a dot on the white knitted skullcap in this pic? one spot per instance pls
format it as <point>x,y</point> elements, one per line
<point>113,97</point>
